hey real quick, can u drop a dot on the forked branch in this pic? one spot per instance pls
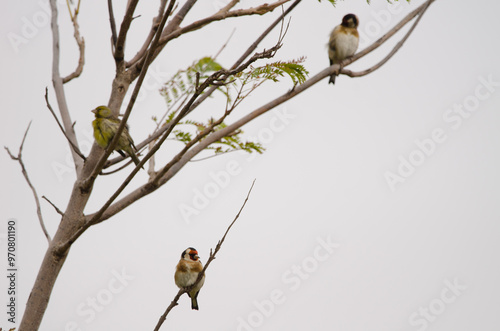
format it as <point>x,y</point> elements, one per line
<point>19,158</point>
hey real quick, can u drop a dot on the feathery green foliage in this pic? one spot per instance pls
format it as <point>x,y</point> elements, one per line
<point>178,89</point>
<point>183,82</point>
<point>231,142</point>
<point>273,71</point>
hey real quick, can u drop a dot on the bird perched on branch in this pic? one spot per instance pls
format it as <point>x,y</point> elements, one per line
<point>105,126</point>
<point>344,41</point>
<point>187,272</point>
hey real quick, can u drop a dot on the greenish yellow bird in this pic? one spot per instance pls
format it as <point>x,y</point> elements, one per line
<point>105,126</point>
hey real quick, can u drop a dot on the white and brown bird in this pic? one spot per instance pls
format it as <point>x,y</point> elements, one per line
<point>344,41</point>
<point>187,272</point>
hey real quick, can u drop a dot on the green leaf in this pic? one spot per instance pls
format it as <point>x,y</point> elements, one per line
<point>273,71</point>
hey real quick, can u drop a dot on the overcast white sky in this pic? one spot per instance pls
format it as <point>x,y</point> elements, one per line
<point>326,241</point>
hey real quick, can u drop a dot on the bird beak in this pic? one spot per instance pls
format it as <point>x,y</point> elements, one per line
<point>94,111</point>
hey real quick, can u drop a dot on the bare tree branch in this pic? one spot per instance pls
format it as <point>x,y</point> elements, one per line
<point>57,82</point>
<point>81,46</point>
<point>156,22</point>
<point>127,20</point>
<point>102,173</point>
<point>135,69</point>
<point>202,273</point>
<point>53,205</point>
<point>260,10</point>
<point>19,158</point>
<point>224,45</point>
<point>112,24</point>
<point>73,146</point>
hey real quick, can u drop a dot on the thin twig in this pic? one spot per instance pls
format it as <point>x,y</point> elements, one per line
<point>53,205</point>
<point>81,47</point>
<point>117,169</point>
<point>259,10</point>
<point>19,158</point>
<point>214,155</point>
<point>224,46</point>
<point>124,27</point>
<point>202,273</point>
<point>112,23</point>
<point>249,51</point>
<point>149,38</point>
<point>75,148</point>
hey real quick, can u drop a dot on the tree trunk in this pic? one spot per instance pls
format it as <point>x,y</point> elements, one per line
<point>55,257</point>
<point>72,220</point>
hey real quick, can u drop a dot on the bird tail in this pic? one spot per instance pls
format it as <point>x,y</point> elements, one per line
<point>194,301</point>
<point>135,158</point>
<point>332,79</point>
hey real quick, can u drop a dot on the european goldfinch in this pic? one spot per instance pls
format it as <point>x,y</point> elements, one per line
<point>105,126</point>
<point>344,41</point>
<point>187,272</point>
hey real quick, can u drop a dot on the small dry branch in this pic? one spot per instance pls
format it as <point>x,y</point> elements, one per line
<point>19,158</point>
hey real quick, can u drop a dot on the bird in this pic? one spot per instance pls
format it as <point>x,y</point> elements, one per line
<point>343,42</point>
<point>105,126</point>
<point>186,273</point>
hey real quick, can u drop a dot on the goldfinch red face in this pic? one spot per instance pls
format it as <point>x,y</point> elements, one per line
<point>190,254</point>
